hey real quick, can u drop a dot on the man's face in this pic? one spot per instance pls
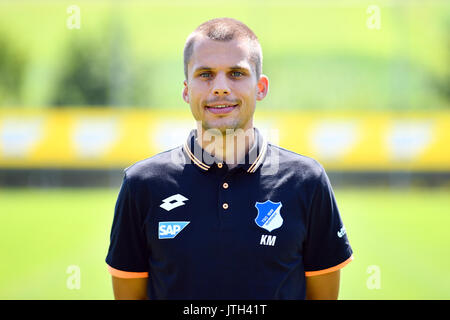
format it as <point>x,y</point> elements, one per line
<point>222,88</point>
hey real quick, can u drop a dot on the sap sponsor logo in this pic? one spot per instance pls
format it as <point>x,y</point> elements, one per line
<point>170,229</point>
<point>267,240</point>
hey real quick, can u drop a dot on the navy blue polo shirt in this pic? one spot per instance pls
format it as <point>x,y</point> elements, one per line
<point>199,230</point>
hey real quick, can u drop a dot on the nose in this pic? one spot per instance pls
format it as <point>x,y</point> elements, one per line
<point>220,87</point>
<point>221,92</point>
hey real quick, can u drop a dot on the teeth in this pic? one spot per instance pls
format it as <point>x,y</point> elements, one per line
<point>221,106</point>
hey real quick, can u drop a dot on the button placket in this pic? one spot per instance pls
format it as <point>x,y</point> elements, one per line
<point>224,194</point>
<point>225,197</point>
<point>225,204</point>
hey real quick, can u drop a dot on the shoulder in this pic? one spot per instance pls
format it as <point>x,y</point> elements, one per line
<point>156,167</point>
<point>288,161</point>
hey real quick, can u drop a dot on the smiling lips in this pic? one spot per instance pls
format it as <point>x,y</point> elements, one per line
<point>221,108</point>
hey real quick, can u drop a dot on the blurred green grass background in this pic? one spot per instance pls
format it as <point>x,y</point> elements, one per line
<point>42,232</point>
<point>318,55</point>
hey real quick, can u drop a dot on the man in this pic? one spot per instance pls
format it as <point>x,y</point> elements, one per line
<point>227,215</point>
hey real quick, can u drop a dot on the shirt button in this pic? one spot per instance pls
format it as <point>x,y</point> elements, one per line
<point>225,185</point>
<point>225,206</point>
<point>219,165</point>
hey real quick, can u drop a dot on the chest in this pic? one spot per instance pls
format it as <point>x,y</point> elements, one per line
<point>227,217</point>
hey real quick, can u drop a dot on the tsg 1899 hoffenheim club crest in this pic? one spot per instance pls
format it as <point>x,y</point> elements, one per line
<point>269,216</point>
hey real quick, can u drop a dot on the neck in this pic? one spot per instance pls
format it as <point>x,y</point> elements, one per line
<point>230,146</point>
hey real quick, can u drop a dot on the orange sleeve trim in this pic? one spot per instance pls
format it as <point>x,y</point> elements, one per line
<point>335,268</point>
<point>126,274</point>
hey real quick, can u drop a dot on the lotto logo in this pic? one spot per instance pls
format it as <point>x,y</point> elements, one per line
<point>170,229</point>
<point>173,202</point>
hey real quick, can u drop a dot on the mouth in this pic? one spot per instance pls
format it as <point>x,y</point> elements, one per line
<point>221,108</point>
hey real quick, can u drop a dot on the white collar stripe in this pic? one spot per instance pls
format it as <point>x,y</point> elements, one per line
<point>260,157</point>
<point>193,158</point>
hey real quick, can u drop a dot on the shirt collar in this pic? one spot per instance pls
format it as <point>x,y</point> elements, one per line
<point>205,161</point>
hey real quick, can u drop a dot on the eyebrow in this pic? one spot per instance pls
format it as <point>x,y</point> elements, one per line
<point>238,68</point>
<point>204,68</point>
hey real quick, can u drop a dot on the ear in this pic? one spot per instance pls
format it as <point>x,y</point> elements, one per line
<point>185,92</point>
<point>262,87</point>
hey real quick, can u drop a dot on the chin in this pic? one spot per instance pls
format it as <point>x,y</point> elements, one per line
<point>222,126</point>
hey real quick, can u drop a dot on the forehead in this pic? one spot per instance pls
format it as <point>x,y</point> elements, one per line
<point>220,54</point>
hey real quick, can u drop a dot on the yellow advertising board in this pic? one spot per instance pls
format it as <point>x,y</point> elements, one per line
<point>115,138</point>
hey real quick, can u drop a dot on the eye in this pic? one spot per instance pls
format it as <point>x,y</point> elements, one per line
<point>205,75</point>
<point>236,74</point>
